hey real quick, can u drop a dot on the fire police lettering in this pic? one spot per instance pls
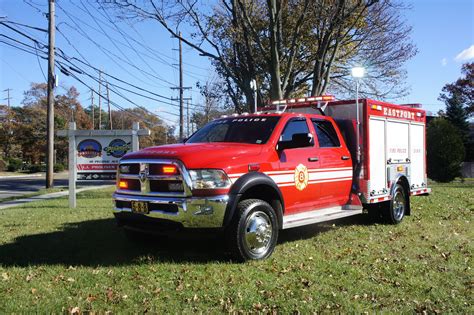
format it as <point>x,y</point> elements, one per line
<point>248,119</point>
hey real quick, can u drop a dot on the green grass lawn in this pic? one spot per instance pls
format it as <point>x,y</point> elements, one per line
<point>55,259</point>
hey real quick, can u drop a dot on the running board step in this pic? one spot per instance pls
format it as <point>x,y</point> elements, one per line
<point>320,215</point>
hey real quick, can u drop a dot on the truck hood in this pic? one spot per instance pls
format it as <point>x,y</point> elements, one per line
<point>199,155</point>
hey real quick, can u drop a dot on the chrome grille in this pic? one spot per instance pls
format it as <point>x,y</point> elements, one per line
<point>152,181</point>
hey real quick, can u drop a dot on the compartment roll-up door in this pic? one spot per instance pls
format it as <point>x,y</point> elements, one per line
<point>397,141</point>
<point>417,152</point>
<point>377,164</point>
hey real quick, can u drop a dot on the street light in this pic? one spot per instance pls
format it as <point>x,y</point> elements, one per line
<point>358,73</point>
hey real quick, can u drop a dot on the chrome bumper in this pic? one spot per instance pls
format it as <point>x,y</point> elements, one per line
<point>193,212</point>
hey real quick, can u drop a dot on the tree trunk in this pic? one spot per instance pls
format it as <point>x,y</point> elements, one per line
<point>274,66</point>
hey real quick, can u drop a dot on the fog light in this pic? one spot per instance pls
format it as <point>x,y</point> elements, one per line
<point>123,184</point>
<point>169,169</point>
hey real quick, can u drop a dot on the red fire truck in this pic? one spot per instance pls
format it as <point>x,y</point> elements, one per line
<point>294,163</point>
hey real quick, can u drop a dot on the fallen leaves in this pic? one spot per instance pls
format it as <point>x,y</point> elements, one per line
<point>5,276</point>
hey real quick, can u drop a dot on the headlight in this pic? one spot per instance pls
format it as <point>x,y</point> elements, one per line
<point>209,179</point>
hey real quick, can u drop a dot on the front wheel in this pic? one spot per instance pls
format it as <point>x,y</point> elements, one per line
<point>253,232</point>
<point>395,211</point>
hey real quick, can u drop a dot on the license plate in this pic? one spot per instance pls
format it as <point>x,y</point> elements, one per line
<point>140,207</point>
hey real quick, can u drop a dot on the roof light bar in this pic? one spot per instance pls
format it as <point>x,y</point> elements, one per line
<point>325,98</point>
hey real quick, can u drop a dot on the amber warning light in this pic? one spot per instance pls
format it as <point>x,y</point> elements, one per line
<point>123,184</point>
<point>169,169</point>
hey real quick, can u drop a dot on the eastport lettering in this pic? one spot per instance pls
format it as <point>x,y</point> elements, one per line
<point>398,113</point>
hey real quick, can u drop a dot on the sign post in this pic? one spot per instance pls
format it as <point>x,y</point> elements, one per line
<point>94,154</point>
<point>72,165</point>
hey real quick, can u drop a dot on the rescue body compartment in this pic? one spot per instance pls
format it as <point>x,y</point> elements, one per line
<point>391,143</point>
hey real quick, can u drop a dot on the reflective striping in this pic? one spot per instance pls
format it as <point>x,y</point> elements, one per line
<point>331,180</point>
<point>287,178</point>
<point>330,175</point>
<point>420,191</point>
<point>380,199</point>
<point>283,178</point>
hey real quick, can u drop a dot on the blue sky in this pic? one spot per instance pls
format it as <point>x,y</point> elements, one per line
<point>443,31</point>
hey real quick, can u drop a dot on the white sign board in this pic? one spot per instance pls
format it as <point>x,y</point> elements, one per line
<point>94,154</point>
<point>97,157</point>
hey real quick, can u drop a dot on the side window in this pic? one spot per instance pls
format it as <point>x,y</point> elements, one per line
<point>326,133</point>
<point>294,126</point>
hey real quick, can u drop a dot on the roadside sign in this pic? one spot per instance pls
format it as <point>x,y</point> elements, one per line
<point>94,154</point>
<point>97,157</point>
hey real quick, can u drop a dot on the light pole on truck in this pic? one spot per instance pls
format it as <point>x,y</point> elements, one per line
<point>358,73</point>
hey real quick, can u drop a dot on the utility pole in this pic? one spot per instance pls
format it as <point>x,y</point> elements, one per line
<point>181,89</point>
<point>108,104</point>
<point>100,101</point>
<point>187,118</point>
<point>92,110</point>
<point>8,97</point>
<point>50,110</point>
<point>181,121</point>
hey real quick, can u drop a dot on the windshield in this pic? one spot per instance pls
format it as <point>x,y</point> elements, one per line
<point>254,130</point>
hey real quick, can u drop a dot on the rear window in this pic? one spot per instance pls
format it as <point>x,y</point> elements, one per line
<point>327,136</point>
<point>253,130</point>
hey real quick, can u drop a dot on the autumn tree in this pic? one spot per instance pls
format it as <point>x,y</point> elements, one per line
<point>6,131</point>
<point>444,150</point>
<point>161,132</point>
<point>459,100</point>
<point>216,103</point>
<point>29,122</point>
<point>290,47</point>
<point>463,88</point>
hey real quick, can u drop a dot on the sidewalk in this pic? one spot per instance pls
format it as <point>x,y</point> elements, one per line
<point>22,176</point>
<point>17,202</point>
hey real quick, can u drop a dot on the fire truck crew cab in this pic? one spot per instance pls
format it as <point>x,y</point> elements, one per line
<point>252,175</point>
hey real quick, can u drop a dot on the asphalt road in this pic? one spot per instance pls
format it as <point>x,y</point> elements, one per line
<point>18,186</point>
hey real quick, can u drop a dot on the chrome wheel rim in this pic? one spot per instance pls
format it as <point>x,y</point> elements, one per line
<point>398,206</point>
<point>258,233</point>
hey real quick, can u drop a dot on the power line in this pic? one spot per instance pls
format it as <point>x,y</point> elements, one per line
<point>113,42</point>
<point>105,50</point>
<point>39,64</point>
<point>75,68</point>
<point>86,63</point>
<point>28,26</point>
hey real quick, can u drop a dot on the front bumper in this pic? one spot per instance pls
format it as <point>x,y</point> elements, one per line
<point>192,212</point>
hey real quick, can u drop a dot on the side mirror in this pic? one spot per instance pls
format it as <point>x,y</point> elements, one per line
<point>298,140</point>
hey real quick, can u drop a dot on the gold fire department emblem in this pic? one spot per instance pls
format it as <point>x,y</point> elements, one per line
<point>301,177</point>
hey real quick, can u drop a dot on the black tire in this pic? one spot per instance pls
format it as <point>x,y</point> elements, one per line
<point>253,231</point>
<point>397,207</point>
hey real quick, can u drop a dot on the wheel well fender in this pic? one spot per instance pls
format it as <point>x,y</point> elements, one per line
<point>403,181</point>
<point>259,186</point>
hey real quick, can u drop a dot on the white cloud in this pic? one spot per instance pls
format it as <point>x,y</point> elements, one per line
<point>444,62</point>
<point>466,54</point>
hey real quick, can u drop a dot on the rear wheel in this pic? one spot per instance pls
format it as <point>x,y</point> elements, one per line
<point>253,232</point>
<point>395,211</point>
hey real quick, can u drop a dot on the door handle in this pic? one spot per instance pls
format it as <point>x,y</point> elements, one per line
<point>345,157</point>
<point>313,159</point>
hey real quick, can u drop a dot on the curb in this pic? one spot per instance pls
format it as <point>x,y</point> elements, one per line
<point>17,202</point>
